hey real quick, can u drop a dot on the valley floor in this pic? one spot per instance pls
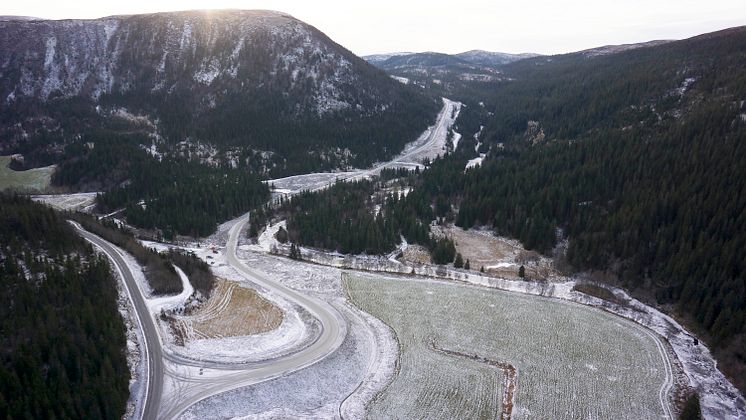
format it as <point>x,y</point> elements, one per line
<point>433,341</point>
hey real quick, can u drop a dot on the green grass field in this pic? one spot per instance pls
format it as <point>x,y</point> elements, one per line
<point>33,180</point>
<point>570,361</point>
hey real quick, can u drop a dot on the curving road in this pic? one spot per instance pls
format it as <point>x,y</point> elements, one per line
<point>154,354</point>
<point>437,133</point>
<point>187,387</point>
<point>194,388</point>
<point>333,331</point>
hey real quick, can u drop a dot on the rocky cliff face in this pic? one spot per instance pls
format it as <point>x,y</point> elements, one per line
<point>193,75</point>
<point>161,53</point>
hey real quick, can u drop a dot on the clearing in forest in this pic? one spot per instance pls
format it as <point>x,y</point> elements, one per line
<point>36,180</point>
<point>499,256</point>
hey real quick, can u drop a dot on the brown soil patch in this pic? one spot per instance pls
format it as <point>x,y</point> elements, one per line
<point>231,311</point>
<point>499,256</point>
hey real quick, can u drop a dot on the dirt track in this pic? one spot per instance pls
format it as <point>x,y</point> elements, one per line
<point>231,311</point>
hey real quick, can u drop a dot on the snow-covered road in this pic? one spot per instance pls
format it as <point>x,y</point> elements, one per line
<point>333,331</point>
<point>429,145</point>
<point>153,348</point>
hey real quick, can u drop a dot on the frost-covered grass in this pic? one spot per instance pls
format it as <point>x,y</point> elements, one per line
<point>68,202</point>
<point>37,179</point>
<point>572,361</point>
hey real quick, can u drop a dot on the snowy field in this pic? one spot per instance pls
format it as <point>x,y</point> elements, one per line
<point>572,361</point>
<point>37,179</point>
<point>68,202</point>
<point>338,386</point>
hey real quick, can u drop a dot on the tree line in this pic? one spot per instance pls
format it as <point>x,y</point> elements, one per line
<point>640,165</point>
<point>350,217</point>
<point>173,196</point>
<point>62,343</point>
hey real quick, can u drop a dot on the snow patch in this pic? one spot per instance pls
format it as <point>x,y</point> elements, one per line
<point>477,161</point>
<point>500,265</point>
<point>49,55</point>
<point>208,72</point>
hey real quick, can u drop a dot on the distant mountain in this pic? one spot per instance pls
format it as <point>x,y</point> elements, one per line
<point>431,68</point>
<point>425,59</point>
<point>614,49</point>
<point>468,59</point>
<point>219,83</point>
<point>495,59</point>
<point>428,68</point>
<point>379,58</point>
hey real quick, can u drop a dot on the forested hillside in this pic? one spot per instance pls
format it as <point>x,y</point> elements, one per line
<point>173,195</point>
<point>362,217</point>
<point>62,342</point>
<point>176,116</point>
<point>257,86</point>
<point>638,158</point>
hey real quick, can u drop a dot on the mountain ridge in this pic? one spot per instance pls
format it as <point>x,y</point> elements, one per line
<point>256,81</point>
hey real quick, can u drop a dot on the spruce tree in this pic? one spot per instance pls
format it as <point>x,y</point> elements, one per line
<point>459,261</point>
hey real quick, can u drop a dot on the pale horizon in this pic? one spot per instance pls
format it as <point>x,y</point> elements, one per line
<point>541,27</point>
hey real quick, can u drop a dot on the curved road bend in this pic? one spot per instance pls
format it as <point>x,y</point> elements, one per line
<point>333,331</point>
<point>152,339</point>
<point>332,324</point>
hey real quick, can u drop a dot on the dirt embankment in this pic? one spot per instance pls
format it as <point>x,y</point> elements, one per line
<point>231,311</point>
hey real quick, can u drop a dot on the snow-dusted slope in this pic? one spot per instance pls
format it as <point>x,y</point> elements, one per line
<point>489,58</point>
<point>161,52</point>
<point>260,82</point>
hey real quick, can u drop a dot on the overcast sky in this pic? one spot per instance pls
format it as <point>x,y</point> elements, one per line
<point>541,26</point>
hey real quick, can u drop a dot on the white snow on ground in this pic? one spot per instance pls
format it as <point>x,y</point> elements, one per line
<point>719,398</point>
<point>319,390</point>
<point>338,379</point>
<point>136,361</point>
<point>430,144</point>
<point>266,241</point>
<point>400,79</point>
<point>78,201</point>
<point>500,265</point>
<point>297,328</point>
<point>156,305</point>
<point>324,390</point>
<point>135,344</point>
<point>298,183</point>
<point>137,274</point>
<point>477,161</point>
<point>250,348</point>
<point>456,139</point>
<point>382,365</point>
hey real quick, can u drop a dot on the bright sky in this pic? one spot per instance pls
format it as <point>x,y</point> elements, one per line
<point>541,26</point>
